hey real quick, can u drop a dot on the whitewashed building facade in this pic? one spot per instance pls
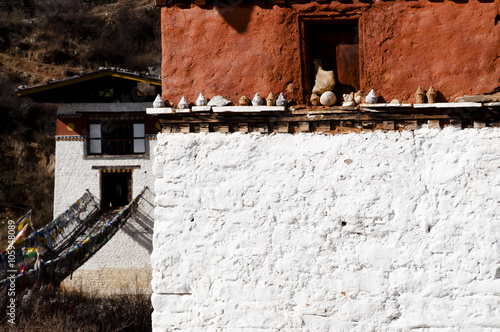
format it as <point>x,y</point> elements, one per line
<point>104,145</point>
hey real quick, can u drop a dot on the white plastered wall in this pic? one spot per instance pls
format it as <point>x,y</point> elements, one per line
<point>74,173</point>
<point>359,232</point>
<point>123,264</point>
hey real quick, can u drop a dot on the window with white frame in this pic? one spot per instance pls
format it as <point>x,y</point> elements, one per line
<point>117,138</point>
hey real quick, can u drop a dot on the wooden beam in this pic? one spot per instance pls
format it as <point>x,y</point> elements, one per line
<point>190,118</point>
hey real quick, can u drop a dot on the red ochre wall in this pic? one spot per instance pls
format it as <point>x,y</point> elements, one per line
<point>232,51</point>
<point>66,126</point>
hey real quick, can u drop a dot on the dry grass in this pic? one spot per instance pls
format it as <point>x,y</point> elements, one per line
<point>63,310</point>
<point>77,33</point>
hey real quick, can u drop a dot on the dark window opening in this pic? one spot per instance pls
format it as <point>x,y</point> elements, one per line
<point>116,138</point>
<point>336,44</point>
<point>116,189</point>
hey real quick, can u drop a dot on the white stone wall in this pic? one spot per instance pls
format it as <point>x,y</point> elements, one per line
<point>375,231</point>
<point>74,173</point>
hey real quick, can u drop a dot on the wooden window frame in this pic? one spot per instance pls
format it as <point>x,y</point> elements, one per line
<point>130,140</point>
<point>104,170</point>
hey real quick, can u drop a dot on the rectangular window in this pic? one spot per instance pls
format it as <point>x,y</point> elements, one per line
<point>139,138</point>
<point>95,142</point>
<point>336,44</point>
<point>117,138</point>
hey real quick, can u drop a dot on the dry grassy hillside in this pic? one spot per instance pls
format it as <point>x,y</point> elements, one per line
<point>52,39</point>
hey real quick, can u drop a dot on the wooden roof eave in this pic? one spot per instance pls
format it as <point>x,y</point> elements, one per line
<point>86,77</point>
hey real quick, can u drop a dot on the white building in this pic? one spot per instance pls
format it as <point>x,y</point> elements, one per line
<point>104,141</point>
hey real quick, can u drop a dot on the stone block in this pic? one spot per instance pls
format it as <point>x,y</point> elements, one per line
<point>434,124</point>
<point>185,128</point>
<point>304,127</point>
<point>242,127</point>
<point>166,128</point>
<point>282,127</point>
<point>407,125</point>
<point>176,128</point>
<point>367,125</point>
<point>204,128</point>
<point>347,124</point>
<point>260,128</point>
<point>411,125</point>
<point>388,125</point>
<point>323,127</point>
<point>479,124</point>
<point>223,128</point>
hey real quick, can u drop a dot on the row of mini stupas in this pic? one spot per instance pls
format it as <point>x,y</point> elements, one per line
<point>353,99</point>
<point>220,101</point>
<point>328,98</point>
<point>324,83</point>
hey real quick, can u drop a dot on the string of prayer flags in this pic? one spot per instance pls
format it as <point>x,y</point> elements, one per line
<point>48,234</point>
<point>54,271</point>
<point>20,236</point>
<point>24,220</point>
<point>30,252</point>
